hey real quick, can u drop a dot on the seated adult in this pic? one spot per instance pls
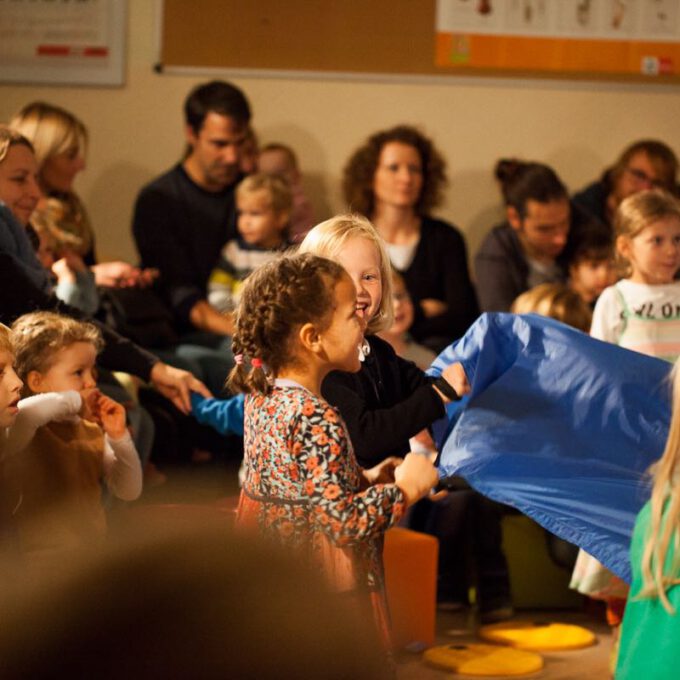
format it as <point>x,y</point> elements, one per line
<point>25,287</point>
<point>59,140</point>
<point>183,218</point>
<point>642,165</point>
<point>396,178</point>
<point>527,249</point>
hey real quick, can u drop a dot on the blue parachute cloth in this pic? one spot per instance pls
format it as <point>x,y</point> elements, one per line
<point>559,425</point>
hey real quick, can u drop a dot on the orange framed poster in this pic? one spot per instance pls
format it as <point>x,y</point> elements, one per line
<point>566,38</point>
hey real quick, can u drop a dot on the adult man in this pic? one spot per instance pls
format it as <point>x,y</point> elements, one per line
<point>183,218</point>
<point>645,164</point>
<point>525,251</point>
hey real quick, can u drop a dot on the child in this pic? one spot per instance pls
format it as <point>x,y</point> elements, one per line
<point>650,632</point>
<point>391,400</point>
<point>58,476</point>
<point>640,312</point>
<point>296,322</point>
<point>397,334</point>
<point>263,204</point>
<point>74,282</point>
<point>557,301</point>
<point>10,385</point>
<point>591,263</point>
<point>280,160</point>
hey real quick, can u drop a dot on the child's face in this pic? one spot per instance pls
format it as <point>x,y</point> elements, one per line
<point>72,368</point>
<point>341,339</point>
<point>654,254</point>
<point>258,224</point>
<point>361,260</point>
<point>46,248</point>
<point>10,390</point>
<point>278,162</point>
<point>589,277</point>
<point>403,309</point>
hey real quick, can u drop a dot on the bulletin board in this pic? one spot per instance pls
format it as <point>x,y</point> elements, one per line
<point>66,42</point>
<point>535,38</point>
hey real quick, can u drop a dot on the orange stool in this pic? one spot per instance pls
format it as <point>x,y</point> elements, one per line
<point>411,582</point>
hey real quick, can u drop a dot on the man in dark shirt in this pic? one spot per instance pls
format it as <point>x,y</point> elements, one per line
<point>183,218</point>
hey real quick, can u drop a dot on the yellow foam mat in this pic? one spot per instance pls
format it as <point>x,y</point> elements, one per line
<point>481,660</point>
<point>538,636</point>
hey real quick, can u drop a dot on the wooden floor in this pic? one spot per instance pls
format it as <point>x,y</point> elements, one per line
<point>199,484</point>
<point>590,663</point>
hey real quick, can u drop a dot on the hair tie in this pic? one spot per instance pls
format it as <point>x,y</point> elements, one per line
<point>256,363</point>
<point>238,359</point>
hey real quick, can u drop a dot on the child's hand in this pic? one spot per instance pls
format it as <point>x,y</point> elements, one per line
<point>415,477</point>
<point>455,376</point>
<point>111,416</point>
<point>383,473</point>
<point>88,410</point>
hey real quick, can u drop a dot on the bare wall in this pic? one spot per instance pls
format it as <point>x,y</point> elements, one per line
<point>136,130</point>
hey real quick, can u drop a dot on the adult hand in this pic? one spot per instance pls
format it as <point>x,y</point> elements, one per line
<point>119,274</point>
<point>432,307</point>
<point>176,384</point>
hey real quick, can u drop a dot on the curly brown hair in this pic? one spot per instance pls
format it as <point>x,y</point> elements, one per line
<point>38,337</point>
<point>357,183</point>
<point>277,299</point>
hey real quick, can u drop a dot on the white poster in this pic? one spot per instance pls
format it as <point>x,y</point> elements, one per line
<point>62,41</point>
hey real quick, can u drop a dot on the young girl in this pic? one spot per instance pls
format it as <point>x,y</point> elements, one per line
<point>264,203</point>
<point>640,312</point>
<point>57,478</point>
<point>10,385</point>
<point>651,626</point>
<point>390,400</point>
<point>296,322</point>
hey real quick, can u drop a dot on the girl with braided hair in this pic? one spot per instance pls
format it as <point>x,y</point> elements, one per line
<point>303,488</point>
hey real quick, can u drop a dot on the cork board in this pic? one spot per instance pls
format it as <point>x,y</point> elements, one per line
<point>345,36</point>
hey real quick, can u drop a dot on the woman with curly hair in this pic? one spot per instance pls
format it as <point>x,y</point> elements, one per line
<point>396,178</point>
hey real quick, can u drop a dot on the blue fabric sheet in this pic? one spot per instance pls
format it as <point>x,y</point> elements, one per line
<point>559,425</point>
<point>225,415</point>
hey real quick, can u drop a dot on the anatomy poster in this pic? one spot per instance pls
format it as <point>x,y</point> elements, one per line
<point>589,37</point>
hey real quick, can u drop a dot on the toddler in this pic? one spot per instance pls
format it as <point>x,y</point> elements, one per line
<point>58,476</point>
<point>280,160</point>
<point>297,321</point>
<point>591,263</point>
<point>264,204</point>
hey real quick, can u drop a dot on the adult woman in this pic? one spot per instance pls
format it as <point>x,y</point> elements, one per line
<point>24,285</point>
<point>643,165</point>
<point>395,178</point>
<point>59,140</point>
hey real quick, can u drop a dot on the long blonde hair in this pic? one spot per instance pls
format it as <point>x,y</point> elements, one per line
<point>665,501</point>
<point>327,240</point>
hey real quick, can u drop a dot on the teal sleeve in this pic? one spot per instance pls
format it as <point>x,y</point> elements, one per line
<point>225,415</point>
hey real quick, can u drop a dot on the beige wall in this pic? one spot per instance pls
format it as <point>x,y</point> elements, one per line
<point>136,131</point>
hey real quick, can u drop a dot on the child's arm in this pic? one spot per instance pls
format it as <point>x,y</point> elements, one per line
<point>36,411</point>
<point>607,324</point>
<point>122,467</point>
<point>225,415</point>
<point>343,513</point>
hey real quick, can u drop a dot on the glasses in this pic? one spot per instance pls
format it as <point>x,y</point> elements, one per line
<point>642,177</point>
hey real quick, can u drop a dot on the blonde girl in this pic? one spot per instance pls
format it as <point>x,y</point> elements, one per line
<point>297,322</point>
<point>650,633</point>
<point>640,312</point>
<point>389,400</point>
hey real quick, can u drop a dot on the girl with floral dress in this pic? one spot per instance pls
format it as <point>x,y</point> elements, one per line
<point>303,488</point>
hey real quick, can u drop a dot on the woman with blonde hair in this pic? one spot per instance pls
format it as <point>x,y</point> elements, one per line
<point>60,141</point>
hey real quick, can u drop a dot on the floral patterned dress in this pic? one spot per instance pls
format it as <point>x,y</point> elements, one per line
<point>303,490</point>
